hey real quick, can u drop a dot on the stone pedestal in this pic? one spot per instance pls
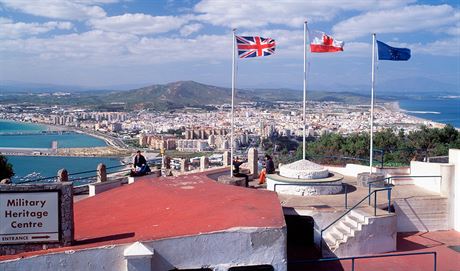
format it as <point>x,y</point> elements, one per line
<point>101,173</point>
<point>226,158</point>
<point>204,163</point>
<point>253,158</point>
<point>184,165</point>
<point>236,181</point>
<point>364,178</point>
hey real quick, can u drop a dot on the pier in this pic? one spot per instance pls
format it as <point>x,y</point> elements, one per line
<point>81,152</point>
<point>26,151</point>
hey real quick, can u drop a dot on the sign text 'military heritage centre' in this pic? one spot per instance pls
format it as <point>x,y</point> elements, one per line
<point>29,217</point>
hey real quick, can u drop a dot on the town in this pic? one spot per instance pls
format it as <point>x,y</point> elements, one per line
<point>200,130</point>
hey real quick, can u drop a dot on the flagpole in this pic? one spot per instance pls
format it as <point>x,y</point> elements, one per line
<point>233,97</point>
<point>304,86</point>
<point>371,154</point>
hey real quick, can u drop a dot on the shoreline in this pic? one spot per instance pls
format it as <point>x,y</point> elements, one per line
<point>109,150</point>
<point>396,107</point>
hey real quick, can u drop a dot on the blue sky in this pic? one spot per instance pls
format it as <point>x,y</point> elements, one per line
<point>101,43</point>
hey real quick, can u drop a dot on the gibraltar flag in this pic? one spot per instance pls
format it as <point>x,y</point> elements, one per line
<point>323,43</point>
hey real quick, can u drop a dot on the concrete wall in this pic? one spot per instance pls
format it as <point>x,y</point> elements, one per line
<point>427,169</point>
<point>349,169</point>
<point>378,236</point>
<point>353,170</point>
<point>218,251</point>
<point>422,214</point>
<point>454,158</point>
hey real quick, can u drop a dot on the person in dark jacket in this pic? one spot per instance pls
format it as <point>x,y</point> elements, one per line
<point>140,166</point>
<point>269,165</point>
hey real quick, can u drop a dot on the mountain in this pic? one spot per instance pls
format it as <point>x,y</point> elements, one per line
<point>189,93</point>
<point>176,95</point>
<point>173,95</point>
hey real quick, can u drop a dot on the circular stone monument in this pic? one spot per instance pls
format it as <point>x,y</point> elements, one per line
<point>304,178</point>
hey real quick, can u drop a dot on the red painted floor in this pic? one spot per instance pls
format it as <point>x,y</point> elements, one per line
<point>447,259</point>
<point>155,208</point>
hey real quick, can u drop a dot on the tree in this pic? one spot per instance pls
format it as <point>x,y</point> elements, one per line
<point>6,169</point>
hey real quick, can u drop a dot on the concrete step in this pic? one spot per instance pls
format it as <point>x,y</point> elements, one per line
<point>351,226</point>
<point>354,221</point>
<point>402,181</point>
<point>423,211</point>
<point>344,233</point>
<point>331,243</point>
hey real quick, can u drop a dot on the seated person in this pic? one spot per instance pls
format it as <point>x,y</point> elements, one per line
<point>268,169</point>
<point>140,166</point>
<point>269,165</point>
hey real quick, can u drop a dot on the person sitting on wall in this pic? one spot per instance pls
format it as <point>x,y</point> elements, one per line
<point>269,168</point>
<point>269,165</point>
<point>140,166</point>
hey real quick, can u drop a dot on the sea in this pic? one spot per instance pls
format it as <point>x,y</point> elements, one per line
<point>29,135</point>
<point>442,109</point>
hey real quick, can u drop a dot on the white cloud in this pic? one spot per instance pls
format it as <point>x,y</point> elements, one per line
<point>241,13</point>
<point>139,23</point>
<point>400,20</point>
<point>12,30</point>
<point>59,9</point>
<point>95,47</point>
<point>101,48</point>
<point>445,47</point>
<point>190,29</point>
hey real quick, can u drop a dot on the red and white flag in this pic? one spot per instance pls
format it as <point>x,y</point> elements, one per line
<point>320,42</point>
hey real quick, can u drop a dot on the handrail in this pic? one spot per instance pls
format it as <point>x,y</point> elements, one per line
<point>356,205</point>
<point>37,180</point>
<point>388,179</point>
<point>77,173</point>
<point>343,185</point>
<point>353,258</point>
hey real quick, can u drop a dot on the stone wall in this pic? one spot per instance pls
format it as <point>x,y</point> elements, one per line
<point>65,202</point>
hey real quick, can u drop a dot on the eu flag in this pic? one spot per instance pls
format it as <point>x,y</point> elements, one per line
<point>387,52</point>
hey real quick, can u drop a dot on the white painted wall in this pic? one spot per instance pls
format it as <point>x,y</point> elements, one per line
<point>349,170</point>
<point>454,158</point>
<point>303,190</point>
<point>220,250</point>
<point>426,169</point>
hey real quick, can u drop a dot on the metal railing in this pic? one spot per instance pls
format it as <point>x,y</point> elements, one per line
<point>343,185</point>
<point>352,208</point>
<point>354,258</point>
<point>92,176</point>
<point>389,181</point>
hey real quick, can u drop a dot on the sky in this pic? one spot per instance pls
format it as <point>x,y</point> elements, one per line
<point>100,43</point>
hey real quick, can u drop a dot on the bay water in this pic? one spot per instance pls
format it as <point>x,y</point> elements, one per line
<point>27,135</point>
<point>442,109</point>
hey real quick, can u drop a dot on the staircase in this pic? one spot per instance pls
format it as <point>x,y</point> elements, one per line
<point>403,180</point>
<point>428,213</point>
<point>360,232</point>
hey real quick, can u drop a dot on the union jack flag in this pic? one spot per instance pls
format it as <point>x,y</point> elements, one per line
<point>255,46</point>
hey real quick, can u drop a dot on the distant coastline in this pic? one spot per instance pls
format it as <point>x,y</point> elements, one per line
<point>438,109</point>
<point>395,106</point>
